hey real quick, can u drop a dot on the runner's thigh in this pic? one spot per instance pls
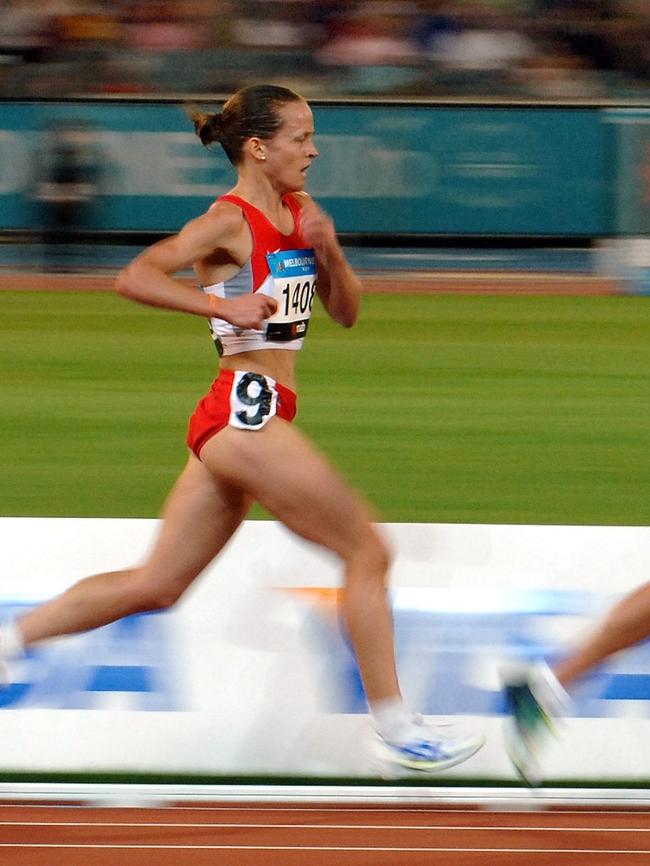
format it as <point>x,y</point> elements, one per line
<point>291,478</point>
<point>199,517</point>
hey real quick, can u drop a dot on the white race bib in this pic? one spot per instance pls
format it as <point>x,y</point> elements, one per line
<point>294,278</point>
<point>253,400</point>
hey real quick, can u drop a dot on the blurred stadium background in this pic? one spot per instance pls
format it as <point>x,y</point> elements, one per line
<point>487,163</point>
<point>327,48</point>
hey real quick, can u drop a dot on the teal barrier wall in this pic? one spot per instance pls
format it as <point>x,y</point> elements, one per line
<point>632,169</point>
<point>383,168</point>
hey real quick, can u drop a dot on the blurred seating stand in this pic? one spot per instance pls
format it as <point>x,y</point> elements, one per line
<point>532,49</point>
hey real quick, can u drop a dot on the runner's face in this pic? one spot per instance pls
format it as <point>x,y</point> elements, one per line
<point>291,151</point>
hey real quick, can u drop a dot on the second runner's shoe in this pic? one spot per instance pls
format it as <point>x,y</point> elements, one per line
<point>533,699</point>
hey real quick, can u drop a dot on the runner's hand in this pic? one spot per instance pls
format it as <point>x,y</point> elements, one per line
<point>317,228</point>
<point>249,311</point>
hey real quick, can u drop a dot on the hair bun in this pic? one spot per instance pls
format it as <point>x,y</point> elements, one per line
<point>207,126</point>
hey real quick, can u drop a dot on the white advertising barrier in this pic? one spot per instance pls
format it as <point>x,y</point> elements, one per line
<point>249,673</point>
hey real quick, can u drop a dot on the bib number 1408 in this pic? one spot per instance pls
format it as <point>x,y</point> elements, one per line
<point>294,285</point>
<point>298,297</point>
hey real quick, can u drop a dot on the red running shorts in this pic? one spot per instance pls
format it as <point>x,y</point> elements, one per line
<point>240,399</point>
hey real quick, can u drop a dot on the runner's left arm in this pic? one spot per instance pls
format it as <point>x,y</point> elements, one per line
<point>339,288</point>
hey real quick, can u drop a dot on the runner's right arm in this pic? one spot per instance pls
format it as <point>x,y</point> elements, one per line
<point>148,278</point>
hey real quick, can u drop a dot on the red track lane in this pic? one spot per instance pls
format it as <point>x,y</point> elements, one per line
<point>296,835</point>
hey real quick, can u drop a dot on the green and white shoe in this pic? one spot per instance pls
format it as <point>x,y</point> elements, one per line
<point>533,700</point>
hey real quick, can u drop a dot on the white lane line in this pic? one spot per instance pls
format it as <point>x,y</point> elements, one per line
<point>329,848</point>
<point>396,827</point>
<point>377,810</point>
<point>381,811</point>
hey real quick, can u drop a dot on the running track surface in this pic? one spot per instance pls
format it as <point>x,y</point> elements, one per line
<point>285,834</point>
<point>470,282</point>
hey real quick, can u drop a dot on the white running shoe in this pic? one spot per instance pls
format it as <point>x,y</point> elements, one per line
<point>428,748</point>
<point>534,699</point>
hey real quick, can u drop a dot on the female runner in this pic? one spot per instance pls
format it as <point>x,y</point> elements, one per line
<point>260,253</point>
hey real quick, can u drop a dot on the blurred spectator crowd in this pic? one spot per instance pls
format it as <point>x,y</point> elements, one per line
<point>547,49</point>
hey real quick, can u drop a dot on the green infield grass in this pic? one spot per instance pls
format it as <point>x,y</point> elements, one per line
<point>441,408</point>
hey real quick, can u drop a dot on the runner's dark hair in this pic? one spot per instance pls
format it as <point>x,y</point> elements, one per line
<point>250,112</point>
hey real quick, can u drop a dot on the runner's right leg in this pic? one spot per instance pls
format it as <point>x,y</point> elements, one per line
<point>200,516</point>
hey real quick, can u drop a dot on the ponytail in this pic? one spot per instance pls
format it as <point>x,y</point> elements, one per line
<point>207,126</point>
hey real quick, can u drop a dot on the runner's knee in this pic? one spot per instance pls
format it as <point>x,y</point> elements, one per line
<point>371,557</point>
<point>148,594</point>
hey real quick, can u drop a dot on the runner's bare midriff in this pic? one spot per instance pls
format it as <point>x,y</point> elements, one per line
<point>279,364</point>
